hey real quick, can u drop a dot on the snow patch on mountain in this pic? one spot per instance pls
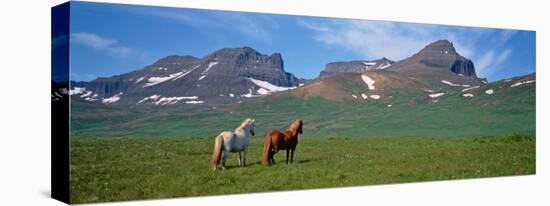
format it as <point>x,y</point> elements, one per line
<point>172,100</point>
<point>467,89</point>
<point>186,73</point>
<point>468,95</point>
<point>112,99</point>
<point>140,79</point>
<point>87,93</point>
<point>374,96</point>
<point>91,99</point>
<point>263,91</point>
<point>210,65</point>
<point>364,96</point>
<point>194,102</point>
<point>77,90</point>
<point>369,81</point>
<point>436,95</point>
<point>157,80</point>
<point>249,94</point>
<point>153,97</point>
<point>383,66</point>
<point>454,85</point>
<point>267,88</point>
<point>522,82</point>
<point>489,91</point>
<point>205,72</point>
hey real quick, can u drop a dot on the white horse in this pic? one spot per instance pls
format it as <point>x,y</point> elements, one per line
<point>236,141</point>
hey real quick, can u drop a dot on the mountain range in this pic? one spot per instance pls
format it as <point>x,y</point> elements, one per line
<point>230,75</point>
<point>223,77</point>
<point>436,92</point>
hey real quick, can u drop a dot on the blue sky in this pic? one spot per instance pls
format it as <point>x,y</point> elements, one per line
<point>110,39</point>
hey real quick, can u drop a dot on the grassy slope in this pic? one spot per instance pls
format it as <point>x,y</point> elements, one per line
<point>147,153</point>
<point>111,169</point>
<point>508,111</point>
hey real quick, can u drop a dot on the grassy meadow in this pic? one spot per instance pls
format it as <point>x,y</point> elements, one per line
<point>127,153</point>
<point>117,169</point>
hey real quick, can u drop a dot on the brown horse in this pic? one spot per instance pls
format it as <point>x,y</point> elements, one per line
<point>275,141</point>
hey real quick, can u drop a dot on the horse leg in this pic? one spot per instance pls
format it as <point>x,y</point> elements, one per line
<point>292,155</point>
<point>273,152</point>
<point>239,159</point>
<point>224,157</point>
<point>244,157</point>
<point>287,156</point>
<point>271,160</point>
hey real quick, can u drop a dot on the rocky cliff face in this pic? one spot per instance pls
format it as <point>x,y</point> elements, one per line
<point>246,62</point>
<point>224,76</point>
<point>357,66</point>
<point>443,54</point>
<point>438,61</point>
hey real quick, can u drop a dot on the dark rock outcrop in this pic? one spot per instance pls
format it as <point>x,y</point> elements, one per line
<point>357,66</point>
<point>443,54</point>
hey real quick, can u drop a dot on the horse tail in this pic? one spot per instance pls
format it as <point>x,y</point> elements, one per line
<point>217,153</point>
<point>267,149</point>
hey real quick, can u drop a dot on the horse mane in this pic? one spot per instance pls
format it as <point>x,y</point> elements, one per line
<point>293,128</point>
<point>245,123</point>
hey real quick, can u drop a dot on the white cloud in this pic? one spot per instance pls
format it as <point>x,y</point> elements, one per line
<point>256,27</point>
<point>100,43</point>
<point>92,40</point>
<point>376,39</point>
<point>505,35</point>
<point>395,40</point>
<point>484,61</point>
<point>503,56</point>
<point>491,62</point>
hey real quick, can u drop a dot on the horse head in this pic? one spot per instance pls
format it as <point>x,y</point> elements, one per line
<point>251,126</point>
<point>297,126</point>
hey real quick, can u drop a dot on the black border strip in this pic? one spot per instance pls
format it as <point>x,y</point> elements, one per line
<point>60,65</point>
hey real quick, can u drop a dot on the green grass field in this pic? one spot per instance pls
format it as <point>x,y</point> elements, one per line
<point>115,169</point>
<point>128,153</point>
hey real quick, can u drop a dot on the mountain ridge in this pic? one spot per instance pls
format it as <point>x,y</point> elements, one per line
<point>231,75</point>
<point>226,76</point>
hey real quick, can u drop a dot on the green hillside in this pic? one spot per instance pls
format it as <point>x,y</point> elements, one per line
<point>411,114</point>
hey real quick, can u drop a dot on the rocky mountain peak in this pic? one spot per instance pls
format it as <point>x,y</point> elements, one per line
<point>227,75</point>
<point>440,46</point>
<point>356,66</point>
<point>236,53</point>
<point>442,54</point>
<point>173,61</point>
<point>247,56</point>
